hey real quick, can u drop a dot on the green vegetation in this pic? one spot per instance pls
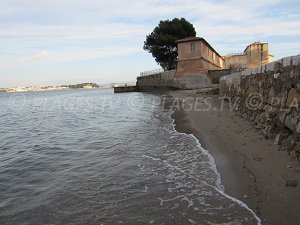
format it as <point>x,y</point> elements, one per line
<point>83,85</point>
<point>161,43</point>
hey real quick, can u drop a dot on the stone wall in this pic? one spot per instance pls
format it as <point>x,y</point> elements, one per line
<point>167,80</point>
<point>158,80</point>
<point>215,75</point>
<point>269,97</point>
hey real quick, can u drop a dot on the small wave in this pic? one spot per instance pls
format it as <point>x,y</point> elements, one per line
<point>219,187</point>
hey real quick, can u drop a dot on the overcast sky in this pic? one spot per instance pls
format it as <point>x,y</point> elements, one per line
<point>55,42</point>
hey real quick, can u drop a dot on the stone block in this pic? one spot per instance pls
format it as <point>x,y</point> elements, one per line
<point>278,139</point>
<point>288,144</point>
<point>282,116</point>
<point>246,72</point>
<point>276,75</point>
<point>287,61</point>
<point>271,96</point>
<point>264,117</point>
<point>291,120</point>
<point>298,128</point>
<point>296,60</point>
<point>293,99</point>
<point>298,87</point>
<point>270,66</point>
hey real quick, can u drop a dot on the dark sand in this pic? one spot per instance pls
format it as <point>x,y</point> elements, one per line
<point>251,167</point>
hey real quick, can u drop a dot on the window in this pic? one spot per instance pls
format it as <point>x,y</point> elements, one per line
<point>193,47</point>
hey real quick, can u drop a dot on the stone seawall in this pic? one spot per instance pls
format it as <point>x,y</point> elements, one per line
<point>167,80</point>
<point>158,80</point>
<point>125,89</point>
<point>269,97</point>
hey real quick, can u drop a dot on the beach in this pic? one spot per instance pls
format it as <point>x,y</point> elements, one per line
<point>251,167</point>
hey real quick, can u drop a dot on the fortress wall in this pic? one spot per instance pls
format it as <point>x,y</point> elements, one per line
<point>269,96</point>
<point>167,80</point>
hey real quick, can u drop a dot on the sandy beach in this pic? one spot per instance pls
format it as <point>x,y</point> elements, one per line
<point>251,167</point>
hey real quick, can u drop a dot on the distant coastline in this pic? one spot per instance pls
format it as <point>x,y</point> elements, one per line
<point>54,88</point>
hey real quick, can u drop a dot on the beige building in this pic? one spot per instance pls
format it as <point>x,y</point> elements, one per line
<point>197,57</point>
<point>255,54</point>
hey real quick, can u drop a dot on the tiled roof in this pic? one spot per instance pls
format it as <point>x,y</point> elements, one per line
<point>190,39</point>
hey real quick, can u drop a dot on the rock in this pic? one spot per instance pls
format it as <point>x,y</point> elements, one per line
<point>253,116</point>
<point>276,75</point>
<point>288,144</point>
<point>272,111</point>
<point>291,183</point>
<point>257,118</point>
<point>288,84</point>
<point>264,117</point>
<point>271,95</point>
<point>267,132</point>
<point>277,86</point>
<point>280,98</point>
<point>278,139</point>
<point>266,107</point>
<point>292,74</point>
<point>282,115</point>
<point>296,152</point>
<point>291,120</point>
<point>298,87</point>
<point>293,99</point>
<point>298,129</point>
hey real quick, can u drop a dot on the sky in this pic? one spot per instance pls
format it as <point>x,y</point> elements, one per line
<point>55,42</point>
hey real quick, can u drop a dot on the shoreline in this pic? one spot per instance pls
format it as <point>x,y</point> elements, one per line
<point>251,167</point>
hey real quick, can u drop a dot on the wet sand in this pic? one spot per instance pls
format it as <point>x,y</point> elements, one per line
<point>251,167</point>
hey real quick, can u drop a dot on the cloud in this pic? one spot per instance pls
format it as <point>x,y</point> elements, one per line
<point>58,31</point>
<point>72,55</point>
<point>41,55</point>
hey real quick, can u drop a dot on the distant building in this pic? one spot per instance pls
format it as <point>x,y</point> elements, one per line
<point>196,57</point>
<point>255,54</point>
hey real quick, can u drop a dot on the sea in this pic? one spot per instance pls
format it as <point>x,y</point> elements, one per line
<point>95,157</point>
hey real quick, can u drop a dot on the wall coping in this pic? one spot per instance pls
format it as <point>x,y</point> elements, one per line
<point>270,67</point>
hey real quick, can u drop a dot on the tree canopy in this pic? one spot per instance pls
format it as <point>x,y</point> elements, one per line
<point>161,42</point>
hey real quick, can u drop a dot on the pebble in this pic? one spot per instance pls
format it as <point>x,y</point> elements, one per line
<point>257,159</point>
<point>246,197</point>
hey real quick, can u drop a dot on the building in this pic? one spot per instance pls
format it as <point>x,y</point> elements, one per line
<point>196,57</point>
<point>255,54</point>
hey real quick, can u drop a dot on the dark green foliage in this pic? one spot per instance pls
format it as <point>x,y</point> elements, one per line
<point>161,42</point>
<point>77,86</point>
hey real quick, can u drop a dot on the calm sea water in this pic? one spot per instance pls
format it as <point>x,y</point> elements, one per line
<point>94,157</point>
